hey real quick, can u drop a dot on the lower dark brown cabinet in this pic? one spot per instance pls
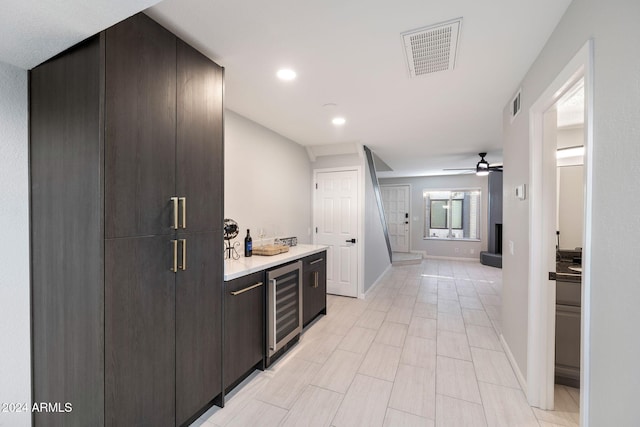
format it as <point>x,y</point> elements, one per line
<point>244,318</point>
<point>314,286</point>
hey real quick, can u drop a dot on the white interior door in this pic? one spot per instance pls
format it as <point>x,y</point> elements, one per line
<point>336,218</point>
<point>395,200</point>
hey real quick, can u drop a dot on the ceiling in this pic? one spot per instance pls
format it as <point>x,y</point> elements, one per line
<point>345,52</point>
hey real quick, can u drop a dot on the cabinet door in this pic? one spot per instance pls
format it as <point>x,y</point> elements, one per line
<point>199,153</point>
<point>140,123</point>
<point>139,332</point>
<point>198,325</point>
<point>314,286</point>
<point>244,325</point>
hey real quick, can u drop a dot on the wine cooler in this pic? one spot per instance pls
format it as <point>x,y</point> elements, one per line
<point>284,306</point>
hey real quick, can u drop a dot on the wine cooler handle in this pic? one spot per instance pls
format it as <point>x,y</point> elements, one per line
<point>272,315</point>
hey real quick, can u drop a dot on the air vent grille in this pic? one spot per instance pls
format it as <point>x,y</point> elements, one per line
<point>432,49</point>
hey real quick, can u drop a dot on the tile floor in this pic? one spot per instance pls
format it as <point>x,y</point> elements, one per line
<point>421,350</point>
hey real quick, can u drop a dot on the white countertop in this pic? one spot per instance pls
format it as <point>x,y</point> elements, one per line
<point>244,266</point>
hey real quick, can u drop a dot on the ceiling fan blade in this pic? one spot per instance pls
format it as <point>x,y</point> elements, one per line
<point>460,169</point>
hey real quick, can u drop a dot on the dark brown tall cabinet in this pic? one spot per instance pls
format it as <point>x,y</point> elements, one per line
<point>126,159</point>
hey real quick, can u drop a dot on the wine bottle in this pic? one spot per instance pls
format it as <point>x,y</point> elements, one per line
<point>248,245</point>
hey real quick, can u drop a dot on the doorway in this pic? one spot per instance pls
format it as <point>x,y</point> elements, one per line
<point>337,225</point>
<point>395,199</point>
<point>544,221</point>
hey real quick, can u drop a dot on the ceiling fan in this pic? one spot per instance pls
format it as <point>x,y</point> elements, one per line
<point>482,167</point>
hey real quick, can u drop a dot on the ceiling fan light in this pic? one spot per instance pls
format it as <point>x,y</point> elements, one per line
<point>482,172</point>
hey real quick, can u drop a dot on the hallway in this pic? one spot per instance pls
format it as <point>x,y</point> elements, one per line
<point>421,350</point>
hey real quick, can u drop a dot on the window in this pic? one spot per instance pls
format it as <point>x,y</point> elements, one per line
<point>452,214</point>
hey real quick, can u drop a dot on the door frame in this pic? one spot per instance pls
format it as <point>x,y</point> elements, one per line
<point>408,186</point>
<point>361,237</point>
<point>541,317</point>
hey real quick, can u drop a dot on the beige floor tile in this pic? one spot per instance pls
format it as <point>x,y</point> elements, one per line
<point>566,411</point>
<point>446,285</point>
<point>546,424</point>
<point>414,391</point>
<point>342,323</point>
<point>381,362</point>
<point>451,412</point>
<point>427,297</point>
<point>424,309</point>
<point>493,311</point>
<point>358,340</point>
<point>365,403</point>
<point>448,294</point>
<point>371,319</point>
<point>575,394</point>
<point>467,290</point>
<point>338,372</point>
<point>476,317</point>
<point>395,418</point>
<point>410,289</point>
<point>490,299</point>
<point>422,327</point>
<point>470,302</point>
<point>320,348</point>
<point>452,322</point>
<point>506,407</point>
<point>419,352</point>
<point>392,334</point>
<point>448,306</point>
<point>258,413</point>
<point>457,378</point>
<point>484,288</point>
<point>399,314</point>
<point>483,337</point>
<point>285,386</point>
<point>237,400</point>
<point>493,367</point>
<point>404,301</point>
<point>381,304</point>
<point>453,344</point>
<point>316,407</point>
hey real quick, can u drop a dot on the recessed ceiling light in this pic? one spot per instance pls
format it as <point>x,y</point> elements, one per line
<point>338,121</point>
<point>286,74</point>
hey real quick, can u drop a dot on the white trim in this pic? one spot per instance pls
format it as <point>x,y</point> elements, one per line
<point>361,203</point>
<point>541,321</point>
<point>451,258</point>
<point>514,364</point>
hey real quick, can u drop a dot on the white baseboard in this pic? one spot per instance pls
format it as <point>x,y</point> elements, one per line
<point>514,365</point>
<point>372,287</point>
<point>451,258</point>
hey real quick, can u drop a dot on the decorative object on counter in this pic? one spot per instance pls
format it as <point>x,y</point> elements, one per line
<point>248,245</point>
<point>269,250</point>
<point>231,231</point>
<point>287,241</point>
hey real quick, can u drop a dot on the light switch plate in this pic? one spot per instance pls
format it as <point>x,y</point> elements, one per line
<point>521,191</point>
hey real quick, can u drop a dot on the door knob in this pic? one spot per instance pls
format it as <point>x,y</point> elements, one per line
<point>350,240</point>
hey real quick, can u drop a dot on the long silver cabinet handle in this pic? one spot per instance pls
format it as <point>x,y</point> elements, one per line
<point>272,315</point>
<point>174,267</point>
<point>183,201</point>
<point>316,275</point>
<point>184,254</point>
<point>174,200</point>
<point>242,291</point>
<point>316,261</point>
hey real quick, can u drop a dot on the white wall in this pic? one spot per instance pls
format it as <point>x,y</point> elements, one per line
<point>443,248</point>
<point>15,353</point>
<point>267,181</point>
<point>376,254</point>
<point>615,289</point>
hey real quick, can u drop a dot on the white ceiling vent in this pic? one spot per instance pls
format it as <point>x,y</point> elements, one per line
<point>432,49</point>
